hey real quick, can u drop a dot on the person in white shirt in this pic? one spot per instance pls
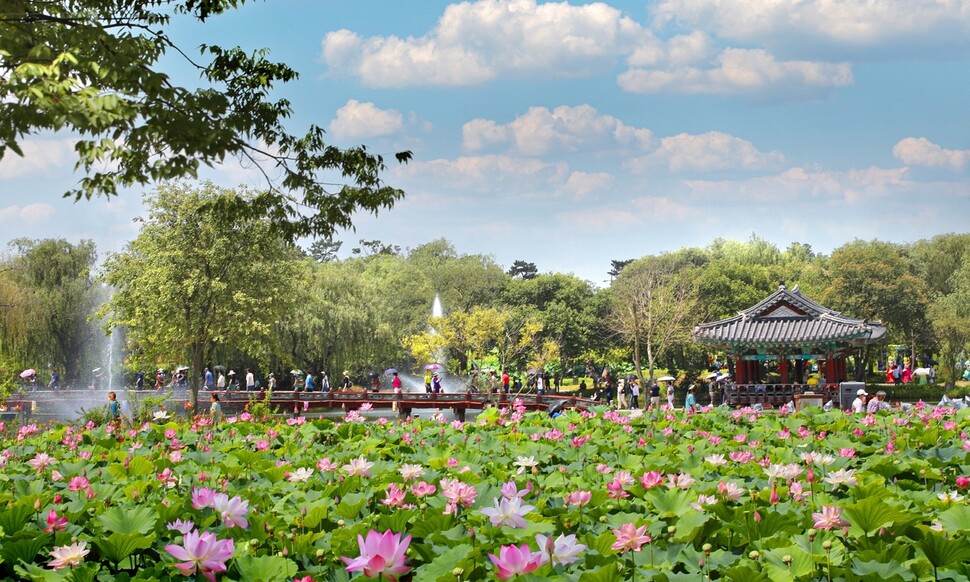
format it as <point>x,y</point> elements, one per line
<point>859,404</point>
<point>250,380</point>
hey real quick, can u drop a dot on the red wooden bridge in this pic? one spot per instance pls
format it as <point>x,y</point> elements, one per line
<point>70,403</point>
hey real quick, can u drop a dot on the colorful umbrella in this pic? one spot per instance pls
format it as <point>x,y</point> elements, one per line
<point>28,373</point>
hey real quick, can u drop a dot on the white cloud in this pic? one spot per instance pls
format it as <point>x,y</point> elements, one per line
<point>474,42</point>
<point>30,214</point>
<point>357,120</point>
<point>40,156</point>
<point>846,22</point>
<point>919,151</point>
<point>496,174</point>
<point>706,152</point>
<point>741,71</point>
<point>582,184</point>
<point>541,131</point>
<point>632,214</point>
<point>855,185</point>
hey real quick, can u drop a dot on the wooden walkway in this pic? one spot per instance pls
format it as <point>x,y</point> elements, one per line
<point>43,403</point>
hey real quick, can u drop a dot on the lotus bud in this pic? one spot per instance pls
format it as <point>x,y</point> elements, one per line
<point>341,523</point>
<point>787,559</point>
<point>827,545</point>
<point>457,572</point>
<point>602,519</point>
<point>37,504</point>
<point>754,555</point>
<point>707,549</point>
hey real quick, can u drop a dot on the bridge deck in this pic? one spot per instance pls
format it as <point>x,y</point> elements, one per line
<point>43,401</point>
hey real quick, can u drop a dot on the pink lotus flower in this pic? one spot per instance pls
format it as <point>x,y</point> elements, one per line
<point>508,512</point>
<point>71,555</point>
<point>202,497</point>
<point>358,467</point>
<point>797,491</point>
<point>578,498</point>
<point>41,461</point>
<point>411,472</point>
<point>730,490</point>
<point>457,493</point>
<point>202,552</point>
<point>393,496</point>
<point>829,518</point>
<point>420,489</point>
<point>510,490</point>
<point>54,522</point>
<point>381,555</point>
<point>514,560</point>
<point>78,483</point>
<point>651,479</point>
<point>183,527</point>
<point>963,482</point>
<point>232,511</point>
<point>325,465</point>
<point>616,491</point>
<point>630,537</point>
<point>562,550</point>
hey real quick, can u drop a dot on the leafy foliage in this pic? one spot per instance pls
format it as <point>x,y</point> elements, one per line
<point>94,68</point>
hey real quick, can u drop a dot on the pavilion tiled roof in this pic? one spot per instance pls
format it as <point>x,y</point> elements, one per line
<point>786,318</point>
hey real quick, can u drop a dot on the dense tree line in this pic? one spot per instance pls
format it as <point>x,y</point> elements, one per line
<point>198,289</point>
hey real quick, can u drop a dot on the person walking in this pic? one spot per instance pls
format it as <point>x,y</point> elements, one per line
<point>396,388</point>
<point>654,396</point>
<point>435,384</point>
<point>670,395</point>
<point>250,380</point>
<point>621,394</point>
<point>207,381</point>
<point>346,384</point>
<point>635,393</point>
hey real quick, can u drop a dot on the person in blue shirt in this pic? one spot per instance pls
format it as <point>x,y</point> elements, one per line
<point>690,405</point>
<point>309,385</point>
<point>114,407</point>
<point>207,381</point>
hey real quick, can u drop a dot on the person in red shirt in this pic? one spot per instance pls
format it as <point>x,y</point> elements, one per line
<point>505,381</point>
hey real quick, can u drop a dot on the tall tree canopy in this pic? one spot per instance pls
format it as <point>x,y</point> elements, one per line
<point>58,296</point>
<point>94,68</point>
<point>190,281</point>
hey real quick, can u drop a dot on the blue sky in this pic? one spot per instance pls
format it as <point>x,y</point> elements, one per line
<point>570,134</point>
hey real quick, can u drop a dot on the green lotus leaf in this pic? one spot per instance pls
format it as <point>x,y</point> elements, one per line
<point>128,520</point>
<point>955,519</point>
<point>118,546</point>
<point>943,551</point>
<point>888,571</point>
<point>265,568</point>
<point>868,515</point>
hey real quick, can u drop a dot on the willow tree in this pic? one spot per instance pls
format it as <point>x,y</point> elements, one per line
<point>56,278</point>
<point>191,280</point>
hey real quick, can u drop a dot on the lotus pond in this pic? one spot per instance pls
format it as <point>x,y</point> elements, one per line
<point>588,496</point>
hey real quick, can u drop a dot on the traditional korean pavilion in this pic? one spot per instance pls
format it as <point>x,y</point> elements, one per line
<point>791,329</point>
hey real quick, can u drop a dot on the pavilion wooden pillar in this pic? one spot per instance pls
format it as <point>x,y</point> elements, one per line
<point>783,368</point>
<point>831,370</point>
<point>739,372</point>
